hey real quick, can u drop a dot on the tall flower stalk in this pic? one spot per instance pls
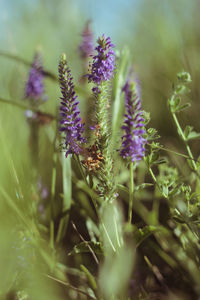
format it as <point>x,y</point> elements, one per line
<point>86,48</point>
<point>101,72</point>
<point>133,142</point>
<point>34,90</point>
<point>70,121</point>
<point>72,127</point>
<point>34,93</point>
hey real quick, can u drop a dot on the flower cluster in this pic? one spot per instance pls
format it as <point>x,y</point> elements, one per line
<point>69,111</point>
<point>104,62</point>
<point>86,46</point>
<point>133,142</point>
<point>34,89</point>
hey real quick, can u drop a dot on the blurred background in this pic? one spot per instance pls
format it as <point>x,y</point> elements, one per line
<point>163,37</point>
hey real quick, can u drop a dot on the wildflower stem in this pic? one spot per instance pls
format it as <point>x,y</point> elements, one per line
<point>80,168</point>
<point>155,208</point>
<point>27,107</point>
<point>174,152</point>
<point>70,286</point>
<point>34,143</point>
<point>152,175</point>
<point>118,103</point>
<point>51,243</point>
<point>85,179</point>
<point>181,133</point>
<point>27,63</point>
<point>53,184</point>
<point>95,203</point>
<point>67,195</point>
<point>131,192</point>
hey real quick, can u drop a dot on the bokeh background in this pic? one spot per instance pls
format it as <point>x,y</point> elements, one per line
<point>163,37</point>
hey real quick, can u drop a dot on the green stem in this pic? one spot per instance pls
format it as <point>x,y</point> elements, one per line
<point>51,243</point>
<point>95,204</point>
<point>155,208</point>
<point>180,131</point>
<point>33,142</point>
<point>131,193</point>
<point>26,107</point>
<point>81,169</point>
<point>153,176</point>
<point>118,83</point>
<point>27,63</point>
<point>174,152</point>
<point>53,185</point>
<point>67,196</point>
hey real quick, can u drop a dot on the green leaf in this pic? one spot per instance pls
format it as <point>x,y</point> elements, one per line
<point>193,136</point>
<point>182,107</point>
<point>154,157</point>
<point>67,195</point>
<point>141,234</point>
<point>152,134</point>
<point>90,277</point>
<point>176,102</point>
<point>187,130</point>
<point>178,220</point>
<point>146,116</point>
<point>181,89</point>
<point>119,80</point>
<point>143,186</point>
<point>85,247</point>
<point>189,161</point>
<point>165,190</point>
<point>198,162</point>
<point>123,188</point>
<point>184,77</point>
<point>161,161</point>
<point>190,134</point>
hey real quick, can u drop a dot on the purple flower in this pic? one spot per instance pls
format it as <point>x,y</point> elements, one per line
<point>34,87</point>
<point>86,47</point>
<point>70,119</point>
<point>133,142</point>
<point>103,65</point>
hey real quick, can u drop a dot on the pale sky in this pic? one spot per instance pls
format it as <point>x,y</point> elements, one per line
<point>105,14</point>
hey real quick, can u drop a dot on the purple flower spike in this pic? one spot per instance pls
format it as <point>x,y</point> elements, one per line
<point>70,119</point>
<point>103,65</point>
<point>133,142</point>
<point>86,47</point>
<point>34,87</point>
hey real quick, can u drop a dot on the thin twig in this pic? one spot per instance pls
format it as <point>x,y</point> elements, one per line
<point>27,63</point>
<point>177,153</point>
<point>70,286</point>
<point>87,244</point>
<point>26,107</point>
